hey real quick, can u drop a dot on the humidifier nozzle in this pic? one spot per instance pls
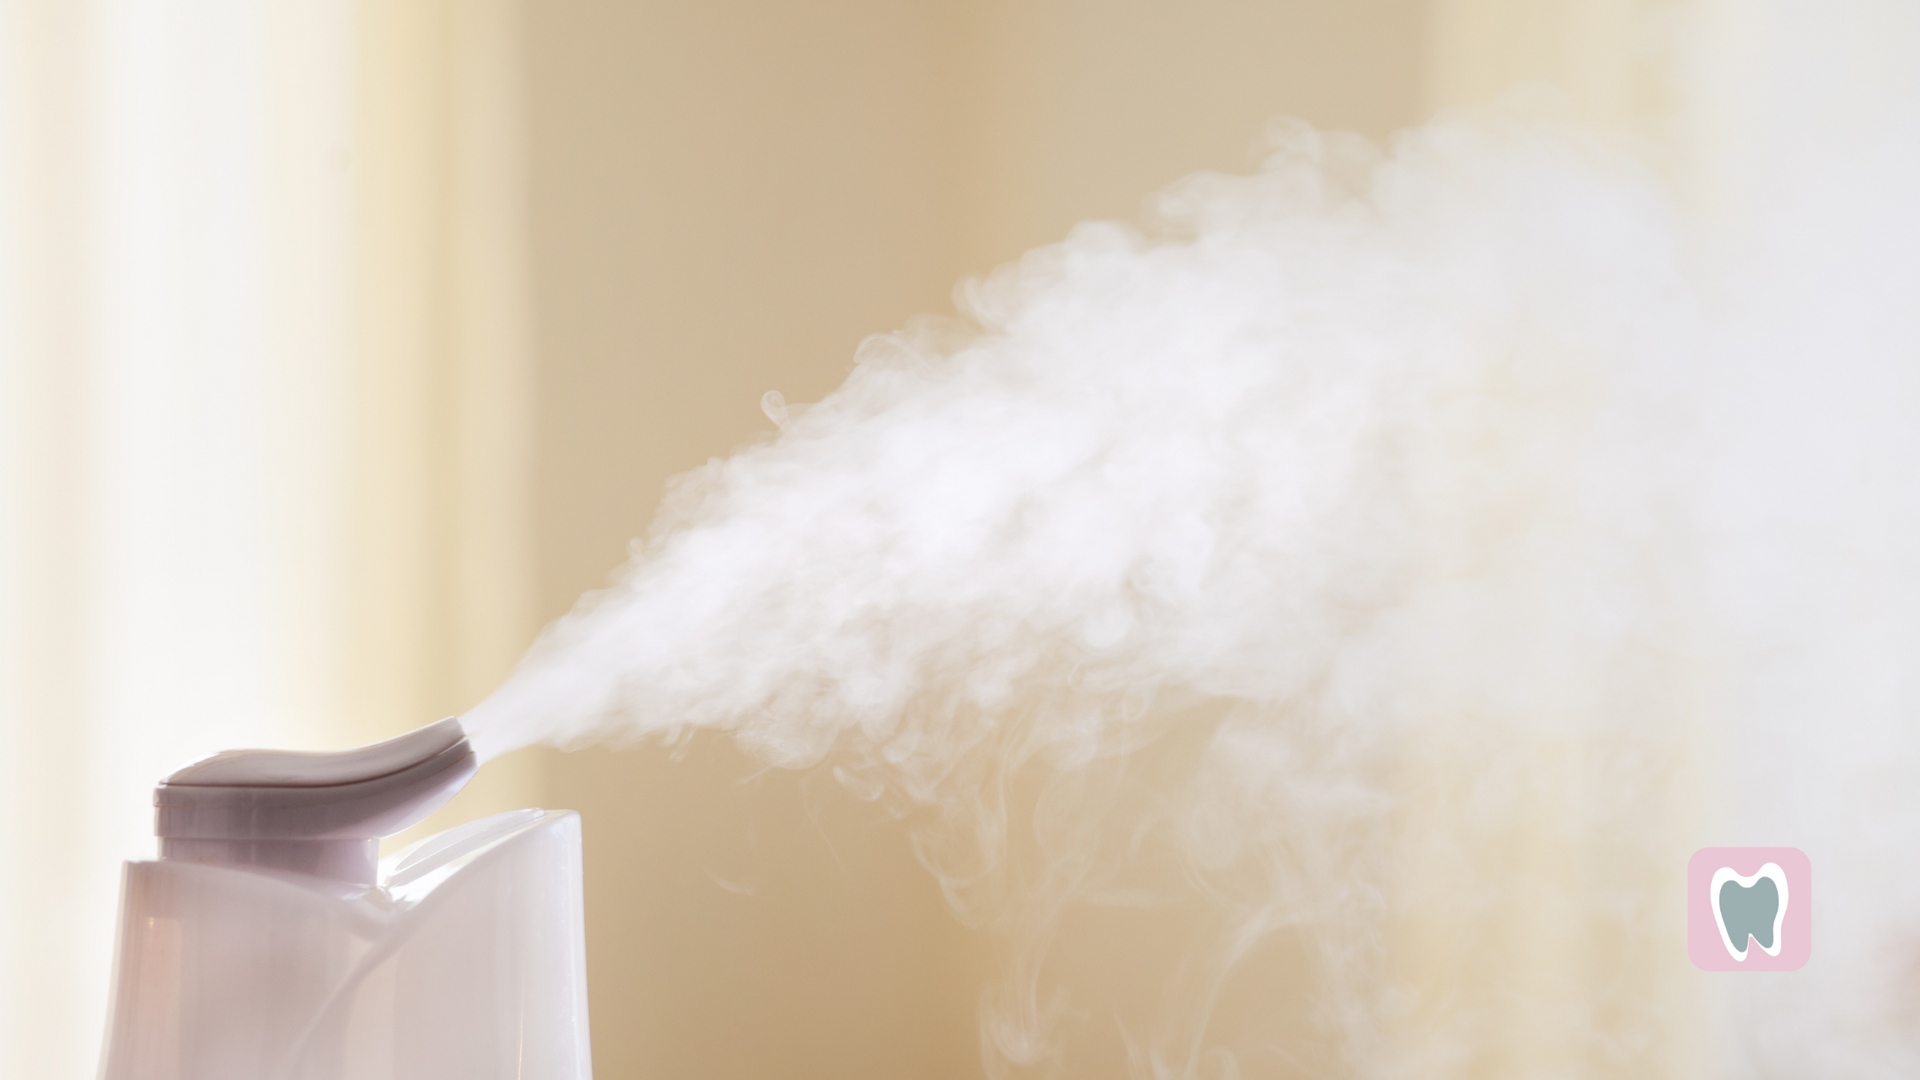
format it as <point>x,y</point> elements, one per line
<point>312,813</point>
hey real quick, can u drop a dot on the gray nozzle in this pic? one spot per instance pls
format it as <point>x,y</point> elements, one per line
<point>321,814</point>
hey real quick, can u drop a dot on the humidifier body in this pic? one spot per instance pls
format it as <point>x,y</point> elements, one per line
<point>298,958</point>
<point>465,962</point>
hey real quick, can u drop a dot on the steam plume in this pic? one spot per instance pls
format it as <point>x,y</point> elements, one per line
<point>1334,578</point>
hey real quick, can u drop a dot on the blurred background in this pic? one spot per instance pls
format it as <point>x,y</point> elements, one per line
<point>343,344</point>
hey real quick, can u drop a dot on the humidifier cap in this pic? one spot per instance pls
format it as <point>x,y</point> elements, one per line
<point>315,813</point>
<point>294,768</point>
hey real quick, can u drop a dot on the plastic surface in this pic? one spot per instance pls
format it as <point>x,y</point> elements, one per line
<point>465,961</point>
<point>318,814</point>
<point>294,768</point>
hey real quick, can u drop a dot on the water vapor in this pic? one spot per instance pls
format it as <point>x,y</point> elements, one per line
<point>1325,586</point>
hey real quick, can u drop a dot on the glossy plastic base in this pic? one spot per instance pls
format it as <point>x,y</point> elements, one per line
<point>466,961</point>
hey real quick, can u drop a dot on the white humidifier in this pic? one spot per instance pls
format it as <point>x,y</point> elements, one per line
<point>269,942</point>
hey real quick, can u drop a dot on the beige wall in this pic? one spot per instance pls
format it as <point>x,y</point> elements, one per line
<point>438,550</point>
<point>1605,55</point>
<point>1078,109</point>
<point>726,196</point>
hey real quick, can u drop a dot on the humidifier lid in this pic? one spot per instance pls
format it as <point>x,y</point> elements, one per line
<point>295,768</point>
<point>317,814</point>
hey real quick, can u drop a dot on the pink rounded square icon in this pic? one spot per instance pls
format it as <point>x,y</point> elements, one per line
<point>1749,909</point>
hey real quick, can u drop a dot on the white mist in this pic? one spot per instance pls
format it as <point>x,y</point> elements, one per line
<point>1385,571</point>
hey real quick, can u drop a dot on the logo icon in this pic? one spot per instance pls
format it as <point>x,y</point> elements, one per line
<point>1749,909</point>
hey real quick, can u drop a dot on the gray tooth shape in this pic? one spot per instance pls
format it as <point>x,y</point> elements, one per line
<point>1748,910</point>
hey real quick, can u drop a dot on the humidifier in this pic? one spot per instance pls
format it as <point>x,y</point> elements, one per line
<point>270,942</point>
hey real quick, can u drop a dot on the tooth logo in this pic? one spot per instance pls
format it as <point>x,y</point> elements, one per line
<point>1749,909</point>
